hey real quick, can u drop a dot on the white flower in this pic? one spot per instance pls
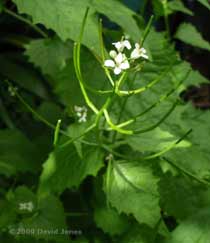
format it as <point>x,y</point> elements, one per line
<point>120,45</point>
<point>12,90</point>
<point>27,206</point>
<point>138,52</point>
<point>119,63</point>
<point>81,113</point>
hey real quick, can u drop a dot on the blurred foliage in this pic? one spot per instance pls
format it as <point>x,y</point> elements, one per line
<point>103,186</point>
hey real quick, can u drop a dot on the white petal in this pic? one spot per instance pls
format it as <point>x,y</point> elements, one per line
<point>125,65</point>
<point>113,53</point>
<point>119,58</point>
<point>127,44</point>
<point>137,46</point>
<point>109,63</point>
<point>143,50</point>
<point>119,45</point>
<point>135,54</point>
<point>144,56</point>
<point>117,70</point>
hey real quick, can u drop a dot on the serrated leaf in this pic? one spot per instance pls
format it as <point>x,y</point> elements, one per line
<point>190,35</point>
<point>154,140</point>
<point>181,197</point>
<point>49,54</point>
<point>110,221</point>
<point>17,153</point>
<point>133,183</point>
<point>64,17</point>
<point>66,163</point>
<point>123,16</point>
<point>138,234</point>
<point>194,229</point>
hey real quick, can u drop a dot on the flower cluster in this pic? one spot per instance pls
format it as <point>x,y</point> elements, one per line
<point>27,206</point>
<point>120,61</point>
<point>81,113</point>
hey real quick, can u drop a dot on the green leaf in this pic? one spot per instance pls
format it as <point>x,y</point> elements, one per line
<point>132,189</point>
<point>64,17</point>
<point>110,221</point>
<point>24,76</point>
<point>123,16</point>
<point>177,5</point>
<point>194,229</point>
<point>49,54</point>
<point>17,153</point>
<point>160,140</point>
<point>46,217</point>
<point>50,111</point>
<point>205,3</point>
<point>181,197</point>
<point>138,234</point>
<point>66,163</point>
<point>8,214</point>
<point>189,34</point>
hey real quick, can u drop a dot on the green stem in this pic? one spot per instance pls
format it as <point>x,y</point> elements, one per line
<point>115,127</point>
<point>76,59</point>
<point>36,28</point>
<point>184,171</point>
<point>103,53</point>
<point>147,30</point>
<point>165,8</point>
<point>168,148</point>
<point>148,86</point>
<point>159,122</point>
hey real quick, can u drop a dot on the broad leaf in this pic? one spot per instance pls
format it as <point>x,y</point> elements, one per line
<point>190,35</point>
<point>49,54</point>
<point>132,189</point>
<point>66,169</point>
<point>17,153</point>
<point>181,197</point>
<point>194,229</point>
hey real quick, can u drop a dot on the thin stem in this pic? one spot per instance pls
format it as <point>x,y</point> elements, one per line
<point>36,28</point>
<point>90,128</point>
<point>147,30</point>
<point>114,127</point>
<point>56,133</point>
<point>159,122</point>
<point>122,109</point>
<point>76,58</point>
<point>165,8</point>
<point>100,31</point>
<point>120,81</point>
<point>148,86</point>
<point>184,171</point>
<point>46,122</point>
<point>158,154</point>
